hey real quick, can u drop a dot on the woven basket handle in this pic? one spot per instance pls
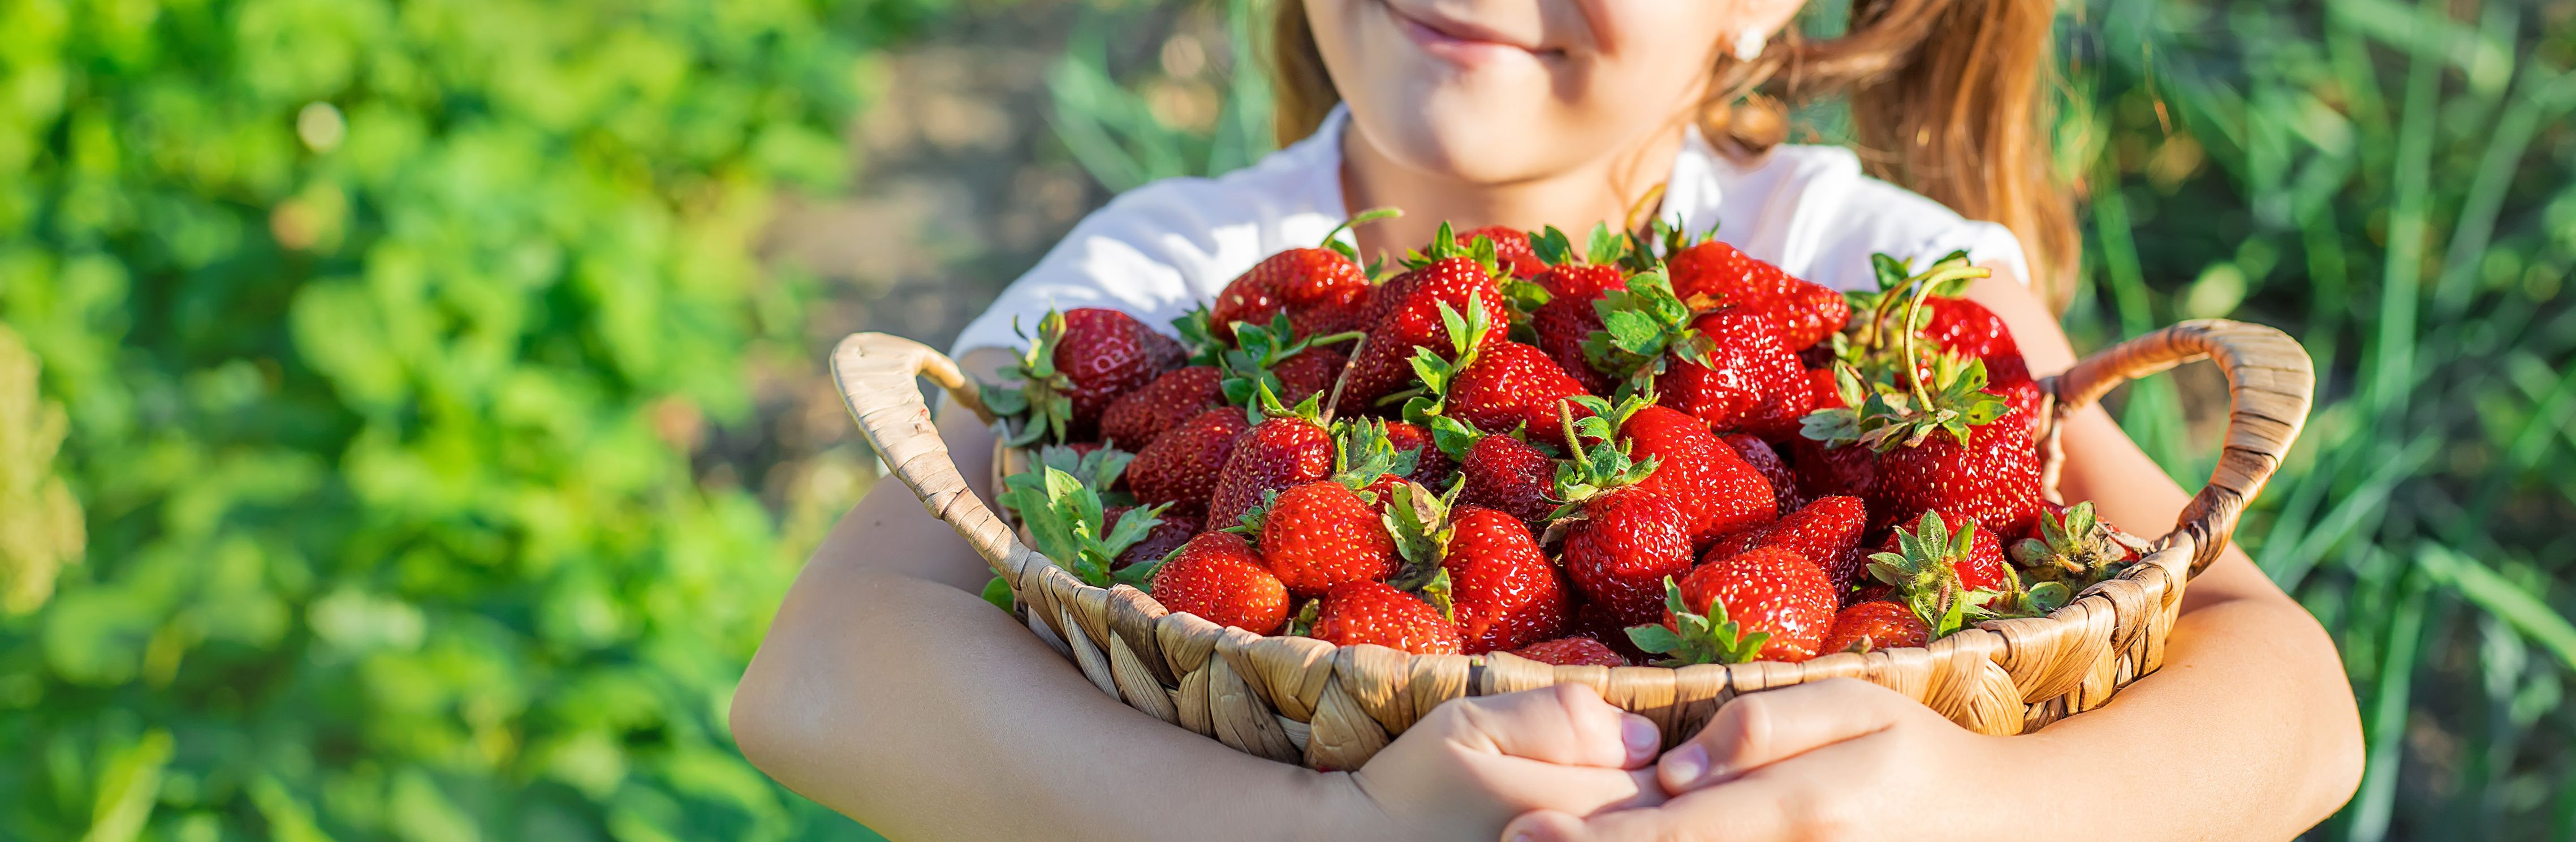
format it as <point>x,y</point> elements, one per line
<point>875,372</point>
<point>2270,382</point>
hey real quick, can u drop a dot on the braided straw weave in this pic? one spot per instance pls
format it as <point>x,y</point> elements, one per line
<point>1301,700</point>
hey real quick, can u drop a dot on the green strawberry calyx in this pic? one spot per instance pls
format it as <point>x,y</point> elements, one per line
<point>1642,326</point>
<point>1594,470</point>
<point>1061,504</point>
<point>2078,550</point>
<point>1246,368</point>
<point>1437,371</point>
<point>1040,403</point>
<point>1698,637</point>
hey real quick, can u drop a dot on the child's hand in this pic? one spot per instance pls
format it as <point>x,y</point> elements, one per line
<point>1839,759</point>
<point>1474,763</point>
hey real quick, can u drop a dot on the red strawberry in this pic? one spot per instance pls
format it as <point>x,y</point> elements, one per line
<point>1217,577</point>
<point>1714,486</point>
<point>1406,317</point>
<point>1573,285</point>
<point>1322,534</point>
<point>1511,248</point>
<point>1495,387</point>
<point>1982,568</point>
<point>1967,328</point>
<point>1622,541</point>
<point>1430,466</point>
<point>1501,590</point>
<point>1992,477</point>
<point>1826,532</point>
<point>1769,604</point>
<point>1181,467</point>
<point>1572,652</point>
<point>1766,461</point>
<point>1321,290</point>
<point>1745,381</point>
<point>1374,612</point>
<point>1800,313</point>
<point>1310,373</point>
<point>1135,419</point>
<point>1508,474</point>
<point>1290,449</point>
<point>1081,360</point>
<point>1875,624</point>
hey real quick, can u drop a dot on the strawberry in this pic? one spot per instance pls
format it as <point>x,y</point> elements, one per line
<point>1769,604</point>
<point>1798,312</point>
<point>1181,467</point>
<point>1502,590</point>
<point>1217,576</point>
<point>1766,461</point>
<point>1320,291</point>
<point>1746,381</point>
<point>2075,547</point>
<point>1406,315</point>
<point>1875,624</point>
<point>1059,504</point>
<point>1322,534</point>
<point>1137,418</point>
<point>1289,449</point>
<point>1507,474</point>
<point>1621,541</point>
<point>1375,612</point>
<point>1952,447</point>
<point>1827,532</point>
<point>1430,466</point>
<point>1275,356</point>
<point>1319,534</point>
<point>1713,486</point>
<point>1573,652</point>
<point>1493,386</point>
<point>1081,360</point>
<point>1568,318</point>
<point>1511,248</point>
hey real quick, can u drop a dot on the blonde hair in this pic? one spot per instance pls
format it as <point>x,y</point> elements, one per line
<point>1948,99</point>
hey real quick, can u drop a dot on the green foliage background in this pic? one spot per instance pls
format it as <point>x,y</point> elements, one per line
<point>383,331</point>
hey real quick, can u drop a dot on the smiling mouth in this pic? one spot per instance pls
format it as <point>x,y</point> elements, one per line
<point>1458,40</point>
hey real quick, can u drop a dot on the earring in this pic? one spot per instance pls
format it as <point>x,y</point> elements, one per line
<point>1748,45</point>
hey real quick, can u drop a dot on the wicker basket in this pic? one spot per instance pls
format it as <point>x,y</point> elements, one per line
<point>1301,700</point>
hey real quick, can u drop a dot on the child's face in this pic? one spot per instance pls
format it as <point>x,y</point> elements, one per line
<point>1495,91</point>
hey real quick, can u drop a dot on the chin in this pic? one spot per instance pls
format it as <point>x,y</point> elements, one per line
<point>1473,139</point>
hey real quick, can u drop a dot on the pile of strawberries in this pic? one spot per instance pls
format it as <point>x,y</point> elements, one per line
<point>1656,448</point>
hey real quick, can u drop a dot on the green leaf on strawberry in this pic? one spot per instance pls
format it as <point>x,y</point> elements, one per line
<point>1697,638</point>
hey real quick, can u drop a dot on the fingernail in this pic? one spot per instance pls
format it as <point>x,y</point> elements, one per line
<point>1685,766</point>
<point>1641,737</point>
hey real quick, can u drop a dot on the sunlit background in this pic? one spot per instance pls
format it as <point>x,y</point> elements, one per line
<point>410,413</point>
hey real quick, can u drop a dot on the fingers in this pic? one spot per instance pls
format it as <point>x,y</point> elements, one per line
<point>1758,729</point>
<point>1796,799</point>
<point>1567,724</point>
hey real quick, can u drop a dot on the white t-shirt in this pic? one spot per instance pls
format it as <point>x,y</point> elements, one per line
<point>1159,250</point>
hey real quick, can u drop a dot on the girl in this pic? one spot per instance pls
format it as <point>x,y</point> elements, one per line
<point>889,691</point>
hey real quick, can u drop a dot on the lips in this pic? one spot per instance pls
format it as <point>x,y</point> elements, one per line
<point>1456,39</point>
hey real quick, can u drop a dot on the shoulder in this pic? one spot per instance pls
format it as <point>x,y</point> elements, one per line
<point>1160,249</point>
<point>1822,217</point>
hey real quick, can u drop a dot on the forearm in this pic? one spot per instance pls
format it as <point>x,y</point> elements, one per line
<point>889,691</point>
